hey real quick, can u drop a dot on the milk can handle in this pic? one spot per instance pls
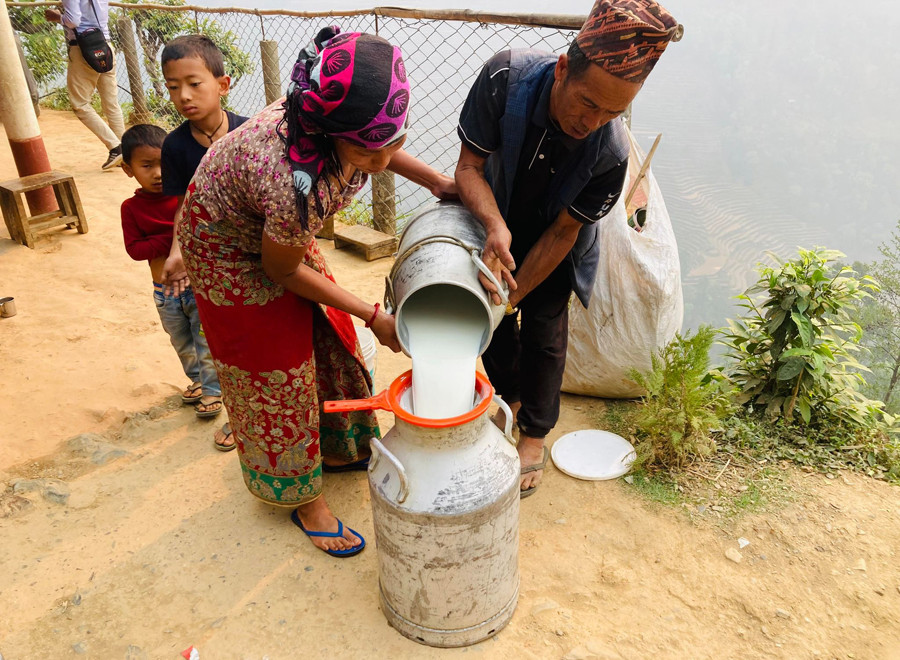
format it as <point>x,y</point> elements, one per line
<point>388,296</point>
<point>381,450</point>
<point>476,258</point>
<point>507,432</point>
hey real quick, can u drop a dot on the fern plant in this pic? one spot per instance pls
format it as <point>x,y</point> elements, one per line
<point>684,403</point>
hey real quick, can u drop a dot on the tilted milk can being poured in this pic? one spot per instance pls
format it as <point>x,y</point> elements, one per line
<point>444,316</point>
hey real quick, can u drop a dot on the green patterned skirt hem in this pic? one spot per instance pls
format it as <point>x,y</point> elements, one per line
<point>286,491</point>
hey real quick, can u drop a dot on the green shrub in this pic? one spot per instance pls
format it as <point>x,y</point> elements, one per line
<point>357,212</point>
<point>827,449</point>
<point>155,28</point>
<point>43,42</point>
<point>683,404</point>
<point>793,350</point>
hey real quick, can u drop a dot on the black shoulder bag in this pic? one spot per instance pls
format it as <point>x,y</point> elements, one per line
<point>94,47</point>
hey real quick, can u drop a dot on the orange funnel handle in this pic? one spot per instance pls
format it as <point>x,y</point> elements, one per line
<point>379,401</point>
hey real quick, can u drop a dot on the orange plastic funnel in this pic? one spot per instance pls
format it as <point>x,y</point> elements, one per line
<point>379,401</point>
<point>390,398</point>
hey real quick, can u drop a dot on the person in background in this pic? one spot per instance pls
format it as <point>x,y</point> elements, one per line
<point>147,224</point>
<point>543,158</point>
<point>82,80</point>
<point>194,71</point>
<point>278,325</point>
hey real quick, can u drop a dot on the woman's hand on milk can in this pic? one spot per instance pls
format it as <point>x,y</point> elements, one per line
<point>445,188</point>
<point>384,327</point>
<point>440,185</point>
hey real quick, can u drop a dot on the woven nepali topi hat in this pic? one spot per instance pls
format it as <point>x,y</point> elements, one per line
<point>627,37</point>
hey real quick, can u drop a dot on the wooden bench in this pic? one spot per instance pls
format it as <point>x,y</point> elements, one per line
<point>374,243</point>
<point>22,227</point>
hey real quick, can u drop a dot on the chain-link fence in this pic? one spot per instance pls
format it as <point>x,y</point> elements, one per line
<point>444,50</point>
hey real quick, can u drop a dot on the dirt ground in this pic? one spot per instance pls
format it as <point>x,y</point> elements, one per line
<point>159,546</point>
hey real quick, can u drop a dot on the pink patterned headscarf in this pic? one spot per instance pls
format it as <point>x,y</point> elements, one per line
<point>350,86</point>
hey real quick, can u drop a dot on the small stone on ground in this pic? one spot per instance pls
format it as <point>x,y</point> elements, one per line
<point>734,555</point>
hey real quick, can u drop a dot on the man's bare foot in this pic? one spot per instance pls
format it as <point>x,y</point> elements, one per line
<point>531,452</point>
<point>317,517</point>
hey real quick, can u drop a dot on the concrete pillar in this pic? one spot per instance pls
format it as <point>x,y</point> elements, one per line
<point>19,119</point>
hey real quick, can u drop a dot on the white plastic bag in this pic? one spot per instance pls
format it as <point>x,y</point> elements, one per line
<point>636,307</point>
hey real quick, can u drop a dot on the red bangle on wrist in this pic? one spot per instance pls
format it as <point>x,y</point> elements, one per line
<point>374,314</point>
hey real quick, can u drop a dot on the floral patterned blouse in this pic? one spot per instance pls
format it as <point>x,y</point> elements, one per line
<point>245,183</point>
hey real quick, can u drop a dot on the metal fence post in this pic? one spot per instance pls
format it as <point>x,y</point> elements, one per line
<point>140,115</point>
<point>270,70</point>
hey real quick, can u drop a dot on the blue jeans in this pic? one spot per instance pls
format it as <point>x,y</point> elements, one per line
<point>182,323</point>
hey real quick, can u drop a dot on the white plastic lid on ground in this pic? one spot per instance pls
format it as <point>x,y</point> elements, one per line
<point>593,455</point>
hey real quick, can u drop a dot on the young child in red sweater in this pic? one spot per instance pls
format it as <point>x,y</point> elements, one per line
<point>147,222</point>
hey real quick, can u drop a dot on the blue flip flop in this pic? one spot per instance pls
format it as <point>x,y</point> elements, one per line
<point>360,465</point>
<point>349,552</point>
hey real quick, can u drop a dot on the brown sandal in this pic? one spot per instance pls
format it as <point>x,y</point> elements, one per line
<point>210,411</point>
<point>192,393</point>
<point>226,429</point>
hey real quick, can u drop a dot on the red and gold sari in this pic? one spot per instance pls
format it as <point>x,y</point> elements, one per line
<point>279,356</point>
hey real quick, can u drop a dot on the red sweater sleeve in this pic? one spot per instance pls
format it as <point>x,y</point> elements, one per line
<point>146,238</point>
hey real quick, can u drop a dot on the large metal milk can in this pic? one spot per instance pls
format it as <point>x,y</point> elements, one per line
<point>445,500</point>
<point>441,247</point>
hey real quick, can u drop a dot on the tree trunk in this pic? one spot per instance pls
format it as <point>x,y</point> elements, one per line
<point>140,115</point>
<point>895,375</point>
<point>150,47</point>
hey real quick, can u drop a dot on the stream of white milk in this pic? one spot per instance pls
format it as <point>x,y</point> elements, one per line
<point>445,326</point>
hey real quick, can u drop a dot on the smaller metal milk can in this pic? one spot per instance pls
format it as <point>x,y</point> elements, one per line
<point>445,500</point>
<point>441,246</point>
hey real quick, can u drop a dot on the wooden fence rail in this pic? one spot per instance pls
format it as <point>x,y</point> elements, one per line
<point>560,21</point>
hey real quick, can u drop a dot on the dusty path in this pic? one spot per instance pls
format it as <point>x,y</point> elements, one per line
<point>159,546</point>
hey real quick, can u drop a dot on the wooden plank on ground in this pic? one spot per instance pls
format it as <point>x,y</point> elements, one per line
<point>374,243</point>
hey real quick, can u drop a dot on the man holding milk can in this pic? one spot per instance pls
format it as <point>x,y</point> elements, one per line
<point>543,158</point>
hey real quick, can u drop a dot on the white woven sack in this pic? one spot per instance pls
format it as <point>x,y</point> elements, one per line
<point>636,307</point>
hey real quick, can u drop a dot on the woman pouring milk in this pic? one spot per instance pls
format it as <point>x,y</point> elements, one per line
<point>278,325</point>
